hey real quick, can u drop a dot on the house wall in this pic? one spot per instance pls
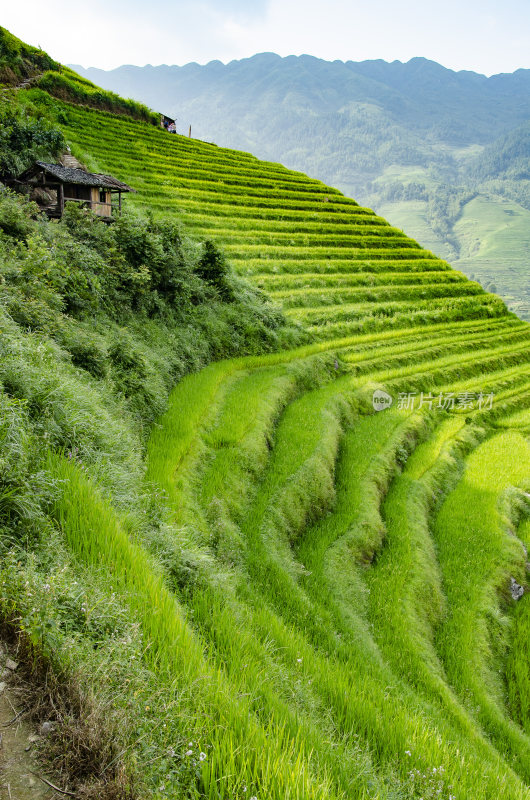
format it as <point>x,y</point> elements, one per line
<point>103,209</point>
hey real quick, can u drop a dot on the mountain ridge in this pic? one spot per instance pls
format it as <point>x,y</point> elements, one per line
<point>402,137</point>
<point>377,72</point>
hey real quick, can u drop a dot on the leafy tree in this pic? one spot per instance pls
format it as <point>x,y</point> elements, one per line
<point>213,269</point>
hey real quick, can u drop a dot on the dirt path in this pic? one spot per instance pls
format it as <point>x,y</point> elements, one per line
<point>17,750</point>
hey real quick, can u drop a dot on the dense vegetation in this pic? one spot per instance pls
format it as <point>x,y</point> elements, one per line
<point>24,140</point>
<point>97,324</point>
<point>405,139</point>
<point>21,64</point>
<point>285,594</point>
<point>19,61</point>
<point>68,86</point>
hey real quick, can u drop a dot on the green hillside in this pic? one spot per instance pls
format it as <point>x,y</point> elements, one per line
<point>486,236</point>
<point>21,62</point>
<point>286,593</point>
<point>274,224</point>
<point>492,236</point>
<point>415,141</point>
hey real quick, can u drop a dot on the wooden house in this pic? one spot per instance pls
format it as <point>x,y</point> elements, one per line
<point>53,185</point>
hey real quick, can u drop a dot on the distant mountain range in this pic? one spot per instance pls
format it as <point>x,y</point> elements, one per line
<point>445,155</point>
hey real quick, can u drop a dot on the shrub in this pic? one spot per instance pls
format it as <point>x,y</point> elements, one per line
<point>15,216</point>
<point>213,269</point>
<point>86,350</point>
<point>24,140</point>
<point>126,302</point>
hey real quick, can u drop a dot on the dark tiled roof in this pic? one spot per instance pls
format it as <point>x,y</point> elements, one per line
<point>82,178</point>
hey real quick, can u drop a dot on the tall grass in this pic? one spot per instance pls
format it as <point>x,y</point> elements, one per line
<point>315,593</point>
<point>472,530</point>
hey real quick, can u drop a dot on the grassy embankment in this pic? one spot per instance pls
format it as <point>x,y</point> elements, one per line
<point>316,597</point>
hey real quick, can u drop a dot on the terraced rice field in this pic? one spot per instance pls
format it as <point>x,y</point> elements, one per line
<point>357,636</point>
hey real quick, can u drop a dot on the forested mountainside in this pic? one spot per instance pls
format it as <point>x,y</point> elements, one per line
<point>264,509</point>
<point>410,140</point>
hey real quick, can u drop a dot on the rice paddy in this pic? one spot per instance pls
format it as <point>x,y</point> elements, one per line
<point>352,633</point>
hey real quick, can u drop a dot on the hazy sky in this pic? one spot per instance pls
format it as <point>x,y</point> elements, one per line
<point>483,35</point>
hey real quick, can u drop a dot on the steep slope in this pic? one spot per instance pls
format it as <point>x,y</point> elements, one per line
<point>275,225</point>
<point>324,604</point>
<point>22,65</point>
<point>405,139</point>
<point>20,62</point>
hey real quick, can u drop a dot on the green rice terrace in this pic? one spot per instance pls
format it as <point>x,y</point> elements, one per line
<point>280,585</point>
